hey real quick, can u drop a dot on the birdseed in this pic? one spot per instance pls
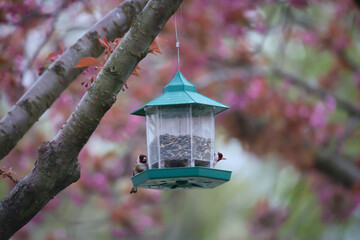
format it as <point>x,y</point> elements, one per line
<point>175,151</point>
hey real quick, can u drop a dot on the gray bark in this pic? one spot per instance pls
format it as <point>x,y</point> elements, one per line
<point>61,73</point>
<point>57,166</point>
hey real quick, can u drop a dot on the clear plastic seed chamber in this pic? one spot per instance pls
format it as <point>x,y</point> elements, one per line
<point>180,129</point>
<point>180,136</point>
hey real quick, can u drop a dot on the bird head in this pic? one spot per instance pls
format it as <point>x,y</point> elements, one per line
<point>142,158</point>
<point>219,156</point>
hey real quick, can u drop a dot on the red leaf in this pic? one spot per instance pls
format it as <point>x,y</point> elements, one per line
<point>61,48</point>
<point>138,67</point>
<point>117,40</point>
<point>135,73</point>
<point>104,42</point>
<point>154,48</point>
<point>161,39</point>
<point>87,61</point>
<point>50,56</point>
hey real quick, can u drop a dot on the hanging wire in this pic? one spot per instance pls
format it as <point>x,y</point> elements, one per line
<point>177,39</point>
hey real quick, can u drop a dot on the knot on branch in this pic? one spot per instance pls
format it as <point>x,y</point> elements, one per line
<point>93,36</point>
<point>59,68</point>
<point>112,71</point>
<point>108,101</point>
<point>130,8</point>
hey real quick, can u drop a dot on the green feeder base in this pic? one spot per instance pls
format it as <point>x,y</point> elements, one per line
<point>181,178</point>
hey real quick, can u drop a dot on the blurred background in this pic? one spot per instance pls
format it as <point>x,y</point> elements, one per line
<point>287,68</point>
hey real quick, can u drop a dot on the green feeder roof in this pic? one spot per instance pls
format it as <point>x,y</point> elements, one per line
<point>178,92</point>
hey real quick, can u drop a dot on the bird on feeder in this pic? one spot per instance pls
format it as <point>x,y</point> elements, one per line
<point>218,157</point>
<point>140,166</point>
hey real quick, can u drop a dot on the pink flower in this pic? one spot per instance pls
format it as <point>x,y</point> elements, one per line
<point>304,112</point>
<point>356,77</point>
<point>76,198</point>
<point>236,101</point>
<point>337,204</point>
<point>52,204</point>
<point>261,27</point>
<point>309,38</point>
<point>330,103</point>
<point>287,84</point>
<point>319,116</point>
<point>117,232</point>
<point>290,111</point>
<point>299,3</point>
<point>100,182</point>
<point>267,220</point>
<point>255,88</point>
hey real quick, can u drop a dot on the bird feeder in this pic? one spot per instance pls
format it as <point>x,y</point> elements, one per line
<point>180,129</point>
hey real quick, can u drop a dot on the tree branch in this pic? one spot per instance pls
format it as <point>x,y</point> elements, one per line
<point>61,73</point>
<point>57,166</point>
<point>357,3</point>
<point>340,168</point>
<point>235,69</point>
<point>47,36</point>
<point>319,92</point>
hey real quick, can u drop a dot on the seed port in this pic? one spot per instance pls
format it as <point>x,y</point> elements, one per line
<point>181,182</point>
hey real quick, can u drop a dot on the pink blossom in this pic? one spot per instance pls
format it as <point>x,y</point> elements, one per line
<point>235,29</point>
<point>330,103</point>
<point>97,181</point>
<point>309,38</point>
<point>337,204</point>
<point>290,111</point>
<point>222,51</point>
<point>52,204</point>
<point>319,116</point>
<point>356,77</point>
<point>299,3</point>
<point>153,196</point>
<point>100,182</point>
<point>304,112</point>
<point>287,84</point>
<point>117,232</point>
<point>255,88</point>
<point>76,198</point>
<point>146,221</point>
<point>267,220</point>
<point>261,27</point>
<point>340,42</point>
<point>341,8</point>
<point>19,61</point>
<point>236,101</point>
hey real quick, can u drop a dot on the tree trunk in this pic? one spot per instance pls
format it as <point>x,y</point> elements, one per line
<point>57,166</point>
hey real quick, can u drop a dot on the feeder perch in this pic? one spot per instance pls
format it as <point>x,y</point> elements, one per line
<point>180,129</point>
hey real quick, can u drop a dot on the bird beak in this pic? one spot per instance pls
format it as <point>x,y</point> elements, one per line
<point>224,158</point>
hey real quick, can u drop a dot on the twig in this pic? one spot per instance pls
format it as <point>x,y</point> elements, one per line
<point>317,91</point>
<point>230,69</point>
<point>49,33</point>
<point>8,174</point>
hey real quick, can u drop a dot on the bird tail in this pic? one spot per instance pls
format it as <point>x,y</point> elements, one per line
<point>133,190</point>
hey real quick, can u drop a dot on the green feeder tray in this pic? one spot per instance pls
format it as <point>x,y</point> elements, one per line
<point>181,178</point>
